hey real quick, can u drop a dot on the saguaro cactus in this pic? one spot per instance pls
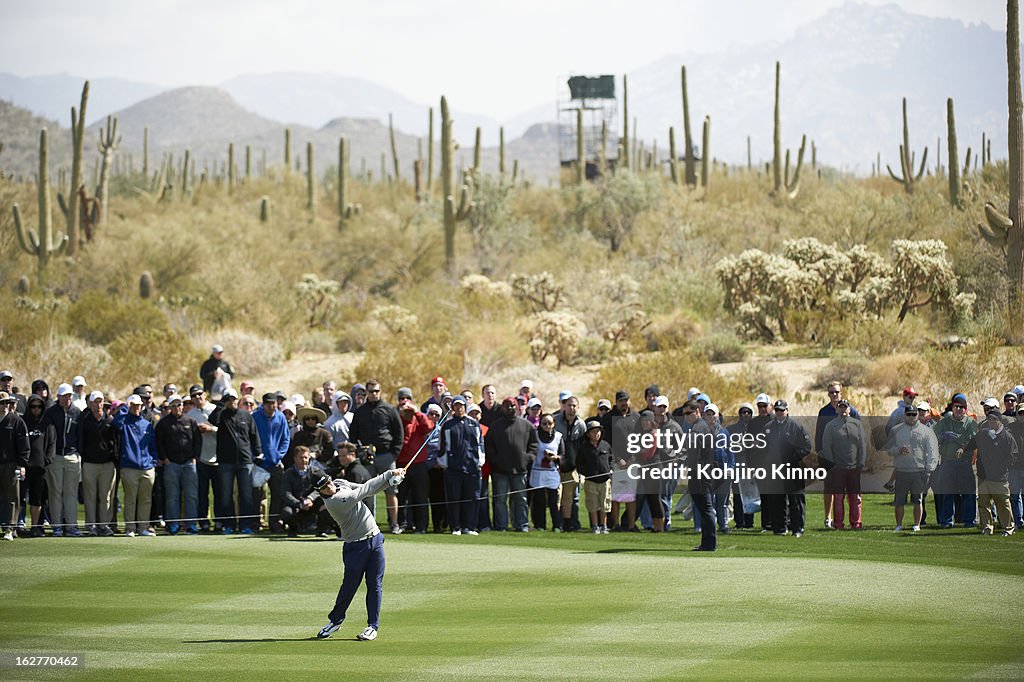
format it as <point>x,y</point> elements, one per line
<point>453,212</point>
<point>287,151</point>
<point>109,141</point>
<point>690,171</point>
<point>430,152</point>
<point>41,243</point>
<point>145,285</point>
<point>501,152</point>
<point>782,179</point>
<point>77,148</point>
<point>264,209</point>
<point>145,151</point>
<point>705,155</point>
<point>310,181</point>
<point>624,142</point>
<point>581,161</point>
<point>394,147</point>
<point>954,156</point>
<point>673,162</point>
<point>345,209</point>
<point>907,159</point>
<point>231,167</point>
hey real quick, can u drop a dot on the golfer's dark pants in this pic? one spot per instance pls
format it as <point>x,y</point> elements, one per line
<point>766,505</point>
<point>483,504</point>
<point>461,489</point>
<point>207,476</point>
<point>546,500</point>
<point>362,558</point>
<point>743,520</point>
<point>705,508</point>
<point>157,511</point>
<point>436,494</point>
<point>412,497</point>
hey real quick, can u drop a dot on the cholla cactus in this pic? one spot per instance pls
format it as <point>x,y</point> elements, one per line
<point>963,306</point>
<point>863,264</point>
<point>320,297</point>
<point>555,333</point>
<point>830,265</point>
<point>395,318</point>
<point>540,292</point>
<point>481,285</point>
<point>922,274</point>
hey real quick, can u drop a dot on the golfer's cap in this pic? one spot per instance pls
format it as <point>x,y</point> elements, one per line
<point>534,402</point>
<point>78,381</point>
<point>64,389</point>
<point>473,407</point>
<point>780,405</point>
<point>405,392</point>
<point>910,391</point>
<point>959,399</point>
<point>458,400</point>
<point>230,393</point>
<point>605,403</point>
<point>526,383</point>
<point>763,399</point>
<point>6,374</point>
<point>173,398</point>
<point>987,402</point>
<point>438,380</point>
<point>712,408</point>
<point>564,395</point>
<point>593,424</point>
<point>133,399</point>
<point>923,406</point>
<point>298,400</point>
<point>217,348</point>
<point>661,401</point>
<point>705,397</point>
<point>95,395</point>
<point>321,481</point>
<point>694,391</point>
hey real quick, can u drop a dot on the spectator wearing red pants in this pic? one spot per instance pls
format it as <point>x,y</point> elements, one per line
<point>845,445</point>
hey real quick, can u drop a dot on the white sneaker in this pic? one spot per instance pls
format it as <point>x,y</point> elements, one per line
<point>9,536</point>
<point>456,532</point>
<point>828,523</point>
<point>604,530</point>
<point>597,530</point>
<point>130,534</point>
<point>470,532</point>
<point>329,629</point>
<point>898,529</point>
<point>367,635</point>
<point>148,533</point>
<point>917,528</point>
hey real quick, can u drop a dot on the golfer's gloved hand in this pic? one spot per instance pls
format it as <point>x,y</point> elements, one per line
<point>397,476</point>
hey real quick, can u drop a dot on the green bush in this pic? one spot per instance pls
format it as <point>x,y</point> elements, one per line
<point>155,356</point>
<point>849,370</point>
<point>721,347</point>
<point>101,318</point>
<point>410,360</point>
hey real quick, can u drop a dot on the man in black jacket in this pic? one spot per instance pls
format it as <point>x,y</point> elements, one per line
<point>788,442</point>
<point>300,506</point>
<point>62,475</point>
<point>700,453</point>
<point>14,452</point>
<point>179,444</point>
<point>510,445</point>
<point>377,423</point>
<point>96,445</point>
<point>7,386</point>
<point>208,371</point>
<point>238,446</point>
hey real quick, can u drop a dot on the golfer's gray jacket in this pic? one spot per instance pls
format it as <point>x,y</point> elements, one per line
<point>354,519</point>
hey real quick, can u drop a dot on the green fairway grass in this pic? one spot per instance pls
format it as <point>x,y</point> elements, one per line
<point>852,604</point>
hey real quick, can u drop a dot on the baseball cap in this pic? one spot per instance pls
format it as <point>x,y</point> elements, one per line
<point>95,395</point>
<point>994,415</point>
<point>406,392</point>
<point>298,400</point>
<point>652,390</point>
<point>288,406</point>
<point>712,408</point>
<point>230,393</point>
<point>763,399</point>
<point>64,389</point>
<point>987,402</point>
<point>909,390</point>
<point>910,409</point>
<point>534,402</point>
<point>246,384</point>
<point>473,407</point>
<point>705,397</point>
<point>564,395</point>
<point>134,399</point>
<point>195,388</point>
<point>780,405</point>
<point>509,400</point>
<point>143,392</point>
<point>746,406</point>
<point>6,374</point>
<point>621,395</point>
<point>960,399</point>
<point>458,399</point>
<point>438,380</point>
<point>923,406</point>
<point>79,381</point>
<point>1020,408</point>
<point>661,401</point>
<point>1018,389</point>
<point>526,383</point>
<point>434,408</point>
<point>694,391</point>
<point>843,401</point>
<point>173,398</point>
<point>593,424</point>
<point>604,402</point>
<point>1009,394</point>
<point>270,397</point>
<point>6,397</point>
<point>321,481</point>
<point>217,348</point>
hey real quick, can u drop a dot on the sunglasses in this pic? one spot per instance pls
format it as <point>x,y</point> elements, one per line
<point>746,412</point>
<point>687,414</point>
<point>834,392</point>
<point>780,409</point>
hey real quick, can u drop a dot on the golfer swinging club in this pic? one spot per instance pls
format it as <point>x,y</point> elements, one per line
<point>363,553</point>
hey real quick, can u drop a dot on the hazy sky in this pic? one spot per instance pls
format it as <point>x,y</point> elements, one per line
<point>495,57</point>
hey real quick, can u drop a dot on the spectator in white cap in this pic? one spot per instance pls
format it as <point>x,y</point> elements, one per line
<point>744,493</point>
<point>533,410</point>
<point>80,393</point>
<point>209,371</point>
<point>298,400</point>
<point>604,406</point>
<point>755,455</point>
<point>96,445</point>
<point>7,386</point>
<point>64,472</point>
<point>526,389</point>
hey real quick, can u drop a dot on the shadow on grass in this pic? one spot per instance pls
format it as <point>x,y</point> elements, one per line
<point>311,638</point>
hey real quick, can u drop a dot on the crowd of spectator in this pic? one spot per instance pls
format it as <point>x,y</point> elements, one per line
<point>481,464</point>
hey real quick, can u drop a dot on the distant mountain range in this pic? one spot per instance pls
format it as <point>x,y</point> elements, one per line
<point>843,76</point>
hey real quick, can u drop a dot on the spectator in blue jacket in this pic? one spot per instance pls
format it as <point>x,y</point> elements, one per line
<point>462,447</point>
<point>137,455</point>
<point>275,440</point>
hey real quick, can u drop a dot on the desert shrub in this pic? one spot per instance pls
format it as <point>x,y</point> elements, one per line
<point>156,356</point>
<point>874,338</point>
<point>101,318</point>
<point>395,319</point>
<point>894,372</point>
<point>56,358</point>
<point>24,325</point>
<point>537,293</point>
<point>849,370</point>
<point>759,377</point>
<point>592,351</point>
<point>319,298</point>
<point>410,360</point>
<point>983,369</point>
<point>248,352</point>
<point>485,299</point>
<point>674,372</point>
<point>672,332</point>
<point>721,347</point>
